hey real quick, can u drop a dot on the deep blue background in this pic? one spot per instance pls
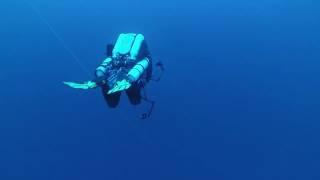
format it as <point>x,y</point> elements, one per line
<point>239,100</point>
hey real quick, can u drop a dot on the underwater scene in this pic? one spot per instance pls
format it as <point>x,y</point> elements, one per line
<point>159,90</point>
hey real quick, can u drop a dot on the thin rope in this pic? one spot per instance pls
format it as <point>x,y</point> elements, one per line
<point>58,37</point>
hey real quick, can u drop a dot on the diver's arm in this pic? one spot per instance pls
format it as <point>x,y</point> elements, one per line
<point>98,81</point>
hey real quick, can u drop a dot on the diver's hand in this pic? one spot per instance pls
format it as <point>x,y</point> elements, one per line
<point>86,85</point>
<point>120,86</point>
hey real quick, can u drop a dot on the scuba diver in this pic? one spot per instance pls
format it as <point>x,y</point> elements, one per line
<point>127,67</point>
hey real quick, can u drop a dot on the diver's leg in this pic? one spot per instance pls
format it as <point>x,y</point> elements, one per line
<point>134,94</point>
<point>111,99</point>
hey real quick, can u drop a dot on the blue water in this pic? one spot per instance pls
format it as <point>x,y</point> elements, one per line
<point>239,99</point>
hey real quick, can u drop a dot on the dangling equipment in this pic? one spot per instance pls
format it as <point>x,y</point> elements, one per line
<point>152,103</point>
